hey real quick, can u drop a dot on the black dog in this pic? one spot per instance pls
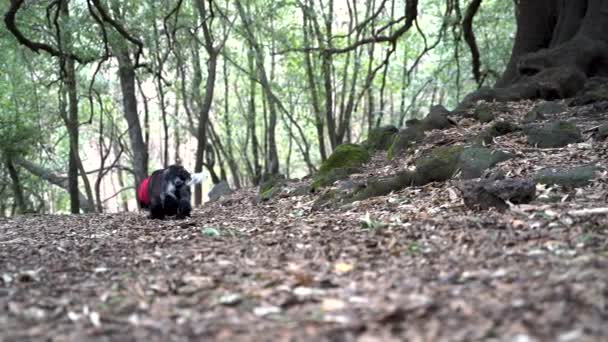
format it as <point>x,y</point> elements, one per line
<point>167,192</point>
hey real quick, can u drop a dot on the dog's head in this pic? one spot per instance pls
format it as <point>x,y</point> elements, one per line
<point>177,176</point>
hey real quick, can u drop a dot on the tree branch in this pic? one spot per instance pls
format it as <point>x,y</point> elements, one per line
<point>9,19</point>
<point>120,29</point>
<point>469,37</point>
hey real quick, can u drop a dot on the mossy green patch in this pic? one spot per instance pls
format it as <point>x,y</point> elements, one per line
<point>404,140</point>
<point>381,138</point>
<point>574,177</point>
<point>346,159</point>
<point>438,165</point>
<point>602,132</point>
<point>384,186</point>
<point>271,185</point>
<point>497,129</point>
<point>322,179</point>
<point>596,90</point>
<point>483,113</point>
<point>474,160</point>
<point>503,127</point>
<point>550,108</point>
<point>556,134</point>
<point>532,116</point>
<point>437,118</point>
<point>345,155</point>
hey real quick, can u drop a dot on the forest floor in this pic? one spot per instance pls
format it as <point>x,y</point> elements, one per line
<point>414,265</point>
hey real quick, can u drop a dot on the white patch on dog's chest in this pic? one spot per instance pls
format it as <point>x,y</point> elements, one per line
<point>171,189</point>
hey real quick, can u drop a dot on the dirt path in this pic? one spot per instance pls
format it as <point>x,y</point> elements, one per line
<point>279,271</point>
<point>415,265</point>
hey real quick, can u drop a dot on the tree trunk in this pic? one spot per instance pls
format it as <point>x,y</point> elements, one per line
<point>535,22</point>
<point>20,203</point>
<point>121,184</point>
<point>325,43</point>
<point>75,162</point>
<point>314,94</point>
<point>559,45</point>
<point>272,163</point>
<point>160,56</point>
<point>229,153</point>
<point>73,138</point>
<point>202,124</point>
<point>251,120</point>
<point>146,128</point>
<point>70,116</point>
<point>126,73</point>
<point>176,133</point>
<point>205,107</point>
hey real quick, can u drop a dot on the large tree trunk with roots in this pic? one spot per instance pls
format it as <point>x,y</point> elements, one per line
<point>558,47</point>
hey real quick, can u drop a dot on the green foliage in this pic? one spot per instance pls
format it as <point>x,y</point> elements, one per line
<point>370,223</point>
<point>419,73</point>
<point>211,232</point>
<point>17,138</point>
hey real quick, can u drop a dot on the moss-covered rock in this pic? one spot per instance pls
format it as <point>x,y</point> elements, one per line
<point>438,165</point>
<point>474,160</point>
<point>413,122</point>
<point>384,186</point>
<point>346,159</point>
<point>301,190</point>
<point>406,139</point>
<point>437,118</point>
<point>377,186</point>
<point>483,113</point>
<point>326,199</point>
<point>497,129</point>
<point>595,90</point>
<point>544,109</point>
<point>270,186</point>
<point>602,132</point>
<point>550,108</point>
<point>219,190</point>
<point>532,116</point>
<point>381,138</point>
<point>487,193</point>
<point>556,134</point>
<point>345,155</point>
<point>503,127</point>
<point>573,177</point>
<point>328,177</point>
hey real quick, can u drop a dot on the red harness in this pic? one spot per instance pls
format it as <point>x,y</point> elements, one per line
<point>142,192</point>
